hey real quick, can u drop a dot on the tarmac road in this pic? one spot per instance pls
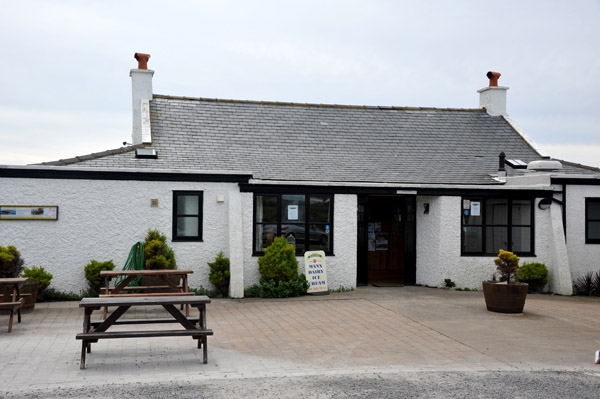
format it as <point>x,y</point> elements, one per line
<point>418,384</point>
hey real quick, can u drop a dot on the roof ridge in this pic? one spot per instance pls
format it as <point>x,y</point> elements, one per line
<point>314,105</point>
<point>578,165</point>
<point>94,155</point>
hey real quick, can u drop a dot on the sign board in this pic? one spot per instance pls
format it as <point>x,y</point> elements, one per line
<point>476,208</point>
<point>17,212</point>
<point>292,212</point>
<point>316,271</point>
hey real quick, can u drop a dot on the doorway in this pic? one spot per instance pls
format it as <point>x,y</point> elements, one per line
<point>386,240</point>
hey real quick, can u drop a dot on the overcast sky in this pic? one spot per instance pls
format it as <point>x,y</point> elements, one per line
<point>64,65</point>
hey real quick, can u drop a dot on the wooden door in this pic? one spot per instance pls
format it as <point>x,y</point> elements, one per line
<point>386,238</point>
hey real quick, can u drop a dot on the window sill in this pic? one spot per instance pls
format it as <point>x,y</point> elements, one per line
<point>187,240</point>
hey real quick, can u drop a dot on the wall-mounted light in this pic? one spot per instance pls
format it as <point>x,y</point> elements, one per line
<point>220,198</point>
<point>545,203</point>
<point>426,209</point>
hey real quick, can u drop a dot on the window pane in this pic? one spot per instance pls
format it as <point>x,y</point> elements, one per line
<point>593,210</point>
<point>320,209</point>
<point>472,239</point>
<point>319,237</point>
<point>471,220</point>
<point>265,234</point>
<point>187,205</point>
<point>521,212</point>
<point>521,239</point>
<point>496,238</point>
<point>295,235</point>
<point>593,230</point>
<point>470,207</point>
<point>187,227</point>
<point>496,211</point>
<point>293,208</point>
<point>266,209</point>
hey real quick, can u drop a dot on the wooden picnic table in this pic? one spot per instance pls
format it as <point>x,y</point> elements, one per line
<point>93,330</point>
<point>165,287</point>
<point>12,300</point>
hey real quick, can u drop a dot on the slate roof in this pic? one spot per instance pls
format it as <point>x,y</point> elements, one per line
<point>332,143</point>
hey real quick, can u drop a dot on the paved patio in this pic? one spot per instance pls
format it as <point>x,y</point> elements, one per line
<point>367,330</point>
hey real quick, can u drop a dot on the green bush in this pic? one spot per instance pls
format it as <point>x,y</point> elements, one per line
<point>92,273</point>
<point>449,283</point>
<point>11,264</point>
<point>278,289</point>
<point>219,274</point>
<point>535,274</point>
<point>279,262</point>
<point>40,275</point>
<point>157,254</point>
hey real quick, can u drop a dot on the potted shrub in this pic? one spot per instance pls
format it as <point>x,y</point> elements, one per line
<point>505,296</point>
<point>38,280</point>
<point>158,256</point>
<point>11,264</point>
<point>219,274</point>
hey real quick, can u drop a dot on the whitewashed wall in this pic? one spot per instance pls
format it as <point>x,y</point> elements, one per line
<point>438,248</point>
<point>341,268</point>
<point>101,220</point>
<point>582,257</point>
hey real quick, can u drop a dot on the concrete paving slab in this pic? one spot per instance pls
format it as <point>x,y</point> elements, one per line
<point>369,330</point>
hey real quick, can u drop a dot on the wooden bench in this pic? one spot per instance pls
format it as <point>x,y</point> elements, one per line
<point>143,288</point>
<point>12,300</point>
<point>94,330</point>
<point>149,295</point>
<point>13,307</point>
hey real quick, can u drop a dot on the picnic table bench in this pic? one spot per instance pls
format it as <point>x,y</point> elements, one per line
<point>94,330</point>
<point>166,285</point>
<point>13,300</point>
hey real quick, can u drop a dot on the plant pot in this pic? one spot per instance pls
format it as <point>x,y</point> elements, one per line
<point>505,298</point>
<point>31,289</point>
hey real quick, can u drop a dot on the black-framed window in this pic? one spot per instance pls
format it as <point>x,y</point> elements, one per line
<point>592,220</point>
<point>491,224</point>
<point>187,215</point>
<point>295,217</point>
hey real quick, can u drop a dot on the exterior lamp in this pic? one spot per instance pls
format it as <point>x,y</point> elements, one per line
<point>545,203</point>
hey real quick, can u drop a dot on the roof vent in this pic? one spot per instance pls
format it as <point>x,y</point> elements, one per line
<point>147,152</point>
<point>544,165</point>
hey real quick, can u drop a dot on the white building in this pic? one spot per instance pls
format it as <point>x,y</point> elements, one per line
<point>392,194</point>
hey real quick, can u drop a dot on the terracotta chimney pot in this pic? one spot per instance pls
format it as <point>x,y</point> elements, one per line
<point>142,60</point>
<point>493,77</point>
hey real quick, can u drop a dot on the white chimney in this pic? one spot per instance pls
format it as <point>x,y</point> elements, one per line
<point>141,84</point>
<point>493,98</point>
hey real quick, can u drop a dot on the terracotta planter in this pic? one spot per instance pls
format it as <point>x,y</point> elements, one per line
<point>505,298</point>
<point>30,288</point>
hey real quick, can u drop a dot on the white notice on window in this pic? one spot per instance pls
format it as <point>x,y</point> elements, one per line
<point>292,212</point>
<point>475,208</point>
